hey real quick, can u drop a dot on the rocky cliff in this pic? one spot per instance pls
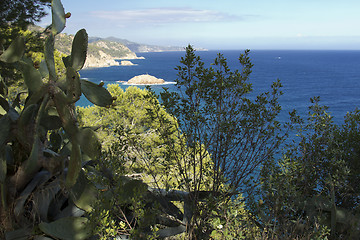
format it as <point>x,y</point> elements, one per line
<point>101,53</point>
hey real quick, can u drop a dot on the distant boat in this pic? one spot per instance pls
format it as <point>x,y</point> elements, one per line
<point>278,58</point>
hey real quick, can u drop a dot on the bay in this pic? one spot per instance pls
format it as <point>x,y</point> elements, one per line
<point>332,75</point>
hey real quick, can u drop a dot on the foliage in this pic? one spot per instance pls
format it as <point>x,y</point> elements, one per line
<point>128,124</point>
<point>231,220</point>
<point>34,44</point>
<point>218,120</point>
<point>44,190</point>
<point>313,191</point>
<point>22,12</point>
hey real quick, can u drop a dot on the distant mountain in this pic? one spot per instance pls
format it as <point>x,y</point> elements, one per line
<point>137,47</point>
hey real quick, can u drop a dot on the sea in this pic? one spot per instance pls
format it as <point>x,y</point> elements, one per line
<point>334,76</point>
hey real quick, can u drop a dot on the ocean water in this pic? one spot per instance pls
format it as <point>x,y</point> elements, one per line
<point>332,75</point>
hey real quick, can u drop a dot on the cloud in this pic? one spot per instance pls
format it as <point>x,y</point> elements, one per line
<point>166,15</point>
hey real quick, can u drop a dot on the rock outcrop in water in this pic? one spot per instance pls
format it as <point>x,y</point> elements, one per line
<point>126,63</point>
<point>146,79</point>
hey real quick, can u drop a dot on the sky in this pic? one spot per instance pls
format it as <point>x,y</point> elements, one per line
<point>221,24</point>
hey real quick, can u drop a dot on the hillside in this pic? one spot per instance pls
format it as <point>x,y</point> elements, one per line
<point>101,53</point>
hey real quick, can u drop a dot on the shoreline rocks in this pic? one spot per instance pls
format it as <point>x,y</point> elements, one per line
<point>127,63</point>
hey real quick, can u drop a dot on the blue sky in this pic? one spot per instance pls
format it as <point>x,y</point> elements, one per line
<point>221,24</point>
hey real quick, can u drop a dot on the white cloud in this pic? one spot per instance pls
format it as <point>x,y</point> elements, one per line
<point>166,15</point>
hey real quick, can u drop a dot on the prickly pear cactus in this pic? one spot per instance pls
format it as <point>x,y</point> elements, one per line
<point>42,149</point>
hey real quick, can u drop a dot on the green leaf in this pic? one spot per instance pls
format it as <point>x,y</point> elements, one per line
<point>3,87</point>
<point>69,228</point>
<point>32,163</point>
<point>42,238</point>
<point>27,117</point>
<point>19,234</point>
<point>89,143</point>
<point>5,123</point>
<point>44,71</point>
<point>96,94</point>
<point>32,76</point>
<point>83,193</point>
<point>49,56</point>
<point>73,85</point>
<point>58,16</point>
<point>67,61</point>
<point>45,197</point>
<point>4,106</point>
<point>37,180</point>
<point>74,165</point>
<point>65,113</point>
<point>14,52</point>
<point>79,50</point>
<point>3,169</point>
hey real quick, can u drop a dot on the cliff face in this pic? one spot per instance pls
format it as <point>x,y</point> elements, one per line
<point>101,53</point>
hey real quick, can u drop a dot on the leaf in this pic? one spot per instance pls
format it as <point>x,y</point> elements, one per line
<point>72,85</point>
<point>32,161</point>
<point>67,61</point>
<point>49,57</point>
<point>96,94</point>
<point>19,234</point>
<point>14,52</point>
<point>44,71</point>
<point>3,87</point>
<point>4,105</point>
<point>74,165</point>
<point>51,122</point>
<point>89,143</point>
<point>42,238</point>
<point>58,16</point>
<point>70,211</point>
<point>32,76</point>
<point>65,113</point>
<point>83,193</point>
<point>79,50</point>
<point>3,169</point>
<point>27,117</point>
<point>43,197</point>
<point>5,124</point>
<point>69,228</point>
<point>39,178</point>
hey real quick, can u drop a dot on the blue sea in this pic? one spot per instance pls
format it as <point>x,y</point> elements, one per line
<point>332,75</point>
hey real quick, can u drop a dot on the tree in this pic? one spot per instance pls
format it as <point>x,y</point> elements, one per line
<point>15,17</point>
<point>221,127</point>
<point>313,190</point>
<point>22,12</point>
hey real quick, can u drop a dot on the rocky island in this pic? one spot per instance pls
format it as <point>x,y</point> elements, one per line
<point>127,63</point>
<point>145,79</point>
